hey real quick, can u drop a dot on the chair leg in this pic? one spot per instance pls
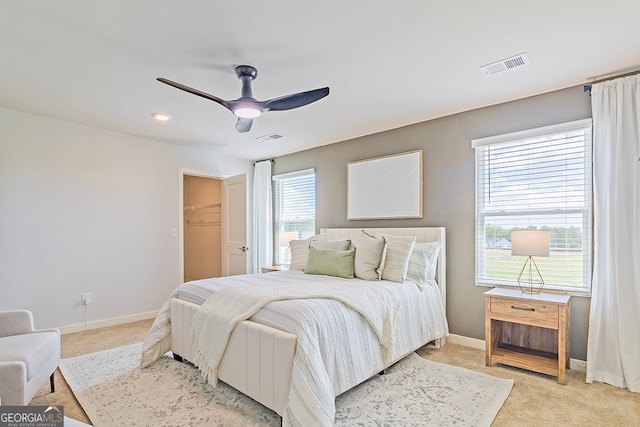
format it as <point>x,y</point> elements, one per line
<point>52,382</point>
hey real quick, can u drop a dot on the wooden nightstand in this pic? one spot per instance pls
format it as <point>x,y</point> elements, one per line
<point>274,268</point>
<point>529,331</point>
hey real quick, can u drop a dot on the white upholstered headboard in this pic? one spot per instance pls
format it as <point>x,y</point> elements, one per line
<point>423,234</point>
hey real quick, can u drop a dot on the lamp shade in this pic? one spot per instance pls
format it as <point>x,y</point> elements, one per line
<point>286,237</point>
<point>530,242</point>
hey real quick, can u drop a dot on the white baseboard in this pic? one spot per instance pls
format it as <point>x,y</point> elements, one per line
<point>576,364</point>
<point>466,341</point>
<point>107,322</point>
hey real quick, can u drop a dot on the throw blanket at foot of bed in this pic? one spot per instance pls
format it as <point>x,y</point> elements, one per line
<point>218,316</point>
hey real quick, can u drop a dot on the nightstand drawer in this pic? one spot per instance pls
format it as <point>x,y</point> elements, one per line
<point>537,312</point>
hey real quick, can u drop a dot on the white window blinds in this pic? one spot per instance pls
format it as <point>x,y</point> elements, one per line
<point>535,179</point>
<point>295,210</point>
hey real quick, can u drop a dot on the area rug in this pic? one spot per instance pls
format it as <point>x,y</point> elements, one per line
<point>114,391</point>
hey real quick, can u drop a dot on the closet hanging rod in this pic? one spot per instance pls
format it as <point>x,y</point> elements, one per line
<point>210,205</point>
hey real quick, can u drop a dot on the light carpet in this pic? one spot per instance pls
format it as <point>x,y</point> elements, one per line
<point>114,391</point>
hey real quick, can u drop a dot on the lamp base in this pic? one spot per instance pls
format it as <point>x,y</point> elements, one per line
<point>534,283</point>
<point>526,290</point>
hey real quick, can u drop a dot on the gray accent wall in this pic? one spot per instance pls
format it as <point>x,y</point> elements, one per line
<point>449,189</point>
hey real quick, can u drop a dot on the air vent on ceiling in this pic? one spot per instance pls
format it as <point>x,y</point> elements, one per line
<point>505,64</point>
<point>270,137</point>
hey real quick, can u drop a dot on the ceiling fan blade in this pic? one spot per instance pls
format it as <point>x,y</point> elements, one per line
<point>195,92</point>
<point>243,125</point>
<point>295,100</point>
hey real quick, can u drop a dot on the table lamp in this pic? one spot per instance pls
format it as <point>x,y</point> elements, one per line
<point>530,243</point>
<point>284,239</point>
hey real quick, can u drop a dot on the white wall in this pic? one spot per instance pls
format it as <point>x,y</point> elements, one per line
<point>89,210</point>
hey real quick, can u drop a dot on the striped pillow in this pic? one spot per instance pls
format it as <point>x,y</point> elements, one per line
<point>423,263</point>
<point>300,251</point>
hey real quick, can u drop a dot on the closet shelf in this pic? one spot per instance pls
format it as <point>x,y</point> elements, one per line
<point>196,207</point>
<point>203,223</point>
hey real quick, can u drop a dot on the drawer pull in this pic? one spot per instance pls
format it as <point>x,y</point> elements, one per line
<point>514,307</point>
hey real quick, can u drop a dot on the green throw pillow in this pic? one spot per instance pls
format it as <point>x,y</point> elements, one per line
<point>331,262</point>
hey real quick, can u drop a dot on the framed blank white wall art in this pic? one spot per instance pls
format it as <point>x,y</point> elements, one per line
<point>385,187</point>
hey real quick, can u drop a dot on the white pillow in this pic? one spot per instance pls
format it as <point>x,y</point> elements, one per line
<point>369,251</point>
<point>423,263</point>
<point>300,251</point>
<point>397,257</point>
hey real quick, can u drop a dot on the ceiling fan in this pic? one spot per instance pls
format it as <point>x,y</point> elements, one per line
<point>247,108</point>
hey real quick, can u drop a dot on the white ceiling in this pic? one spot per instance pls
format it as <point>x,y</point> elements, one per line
<point>388,64</point>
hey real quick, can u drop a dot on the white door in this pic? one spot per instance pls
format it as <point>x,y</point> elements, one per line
<point>234,225</point>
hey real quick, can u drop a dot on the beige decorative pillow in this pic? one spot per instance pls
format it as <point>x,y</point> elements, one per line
<point>336,245</point>
<point>397,257</point>
<point>300,251</point>
<point>369,251</point>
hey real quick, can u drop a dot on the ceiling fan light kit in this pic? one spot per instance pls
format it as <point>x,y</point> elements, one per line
<point>247,112</point>
<point>247,108</point>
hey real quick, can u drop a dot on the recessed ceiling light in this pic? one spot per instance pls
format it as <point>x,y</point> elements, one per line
<point>161,117</point>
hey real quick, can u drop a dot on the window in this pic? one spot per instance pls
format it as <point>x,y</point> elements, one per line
<point>295,210</point>
<point>535,179</point>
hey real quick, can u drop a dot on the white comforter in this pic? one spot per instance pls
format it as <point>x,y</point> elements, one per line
<point>219,315</point>
<point>342,338</point>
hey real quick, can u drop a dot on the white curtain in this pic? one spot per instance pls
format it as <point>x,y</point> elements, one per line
<point>613,348</point>
<point>262,249</point>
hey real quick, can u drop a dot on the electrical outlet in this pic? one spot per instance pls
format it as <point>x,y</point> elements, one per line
<point>86,298</point>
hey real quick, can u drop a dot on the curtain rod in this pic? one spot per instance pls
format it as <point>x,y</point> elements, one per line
<point>263,160</point>
<point>587,88</point>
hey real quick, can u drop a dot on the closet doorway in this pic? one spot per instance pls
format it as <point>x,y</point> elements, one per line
<point>202,225</point>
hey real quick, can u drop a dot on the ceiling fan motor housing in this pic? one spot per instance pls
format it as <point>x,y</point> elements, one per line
<point>246,71</point>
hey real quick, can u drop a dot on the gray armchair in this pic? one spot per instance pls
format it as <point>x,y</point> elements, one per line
<point>27,357</point>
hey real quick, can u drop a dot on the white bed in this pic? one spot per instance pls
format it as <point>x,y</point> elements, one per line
<point>266,360</point>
